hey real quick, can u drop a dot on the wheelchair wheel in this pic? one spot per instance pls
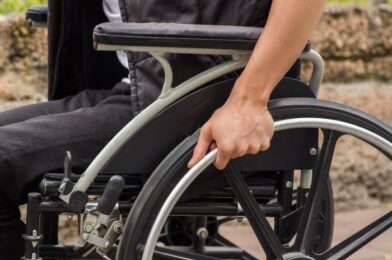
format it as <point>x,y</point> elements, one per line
<point>166,185</point>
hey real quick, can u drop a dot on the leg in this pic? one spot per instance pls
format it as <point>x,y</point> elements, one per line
<point>37,145</point>
<point>11,230</point>
<point>84,99</point>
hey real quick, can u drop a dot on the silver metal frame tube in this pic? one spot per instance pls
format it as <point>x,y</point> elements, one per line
<point>287,124</point>
<point>168,72</point>
<point>178,50</point>
<point>318,69</point>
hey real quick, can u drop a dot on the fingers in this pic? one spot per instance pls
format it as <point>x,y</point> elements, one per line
<point>202,146</point>
<point>225,151</point>
<point>230,150</point>
<point>265,145</point>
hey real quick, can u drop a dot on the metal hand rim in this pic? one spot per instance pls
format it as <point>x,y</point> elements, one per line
<point>286,124</point>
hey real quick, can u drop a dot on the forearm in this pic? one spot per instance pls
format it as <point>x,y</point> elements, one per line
<point>289,27</point>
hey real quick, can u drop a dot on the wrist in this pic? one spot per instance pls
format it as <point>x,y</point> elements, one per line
<point>248,90</point>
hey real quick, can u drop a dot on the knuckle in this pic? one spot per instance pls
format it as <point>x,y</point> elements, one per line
<point>265,145</point>
<point>203,130</point>
<point>227,147</point>
<point>254,149</point>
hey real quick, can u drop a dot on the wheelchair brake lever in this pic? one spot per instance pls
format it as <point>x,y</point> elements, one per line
<point>111,195</point>
<point>104,215</point>
<point>66,184</point>
<point>77,200</point>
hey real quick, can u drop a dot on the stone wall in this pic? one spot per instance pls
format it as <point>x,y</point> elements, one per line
<point>23,58</point>
<point>356,43</point>
<point>22,48</point>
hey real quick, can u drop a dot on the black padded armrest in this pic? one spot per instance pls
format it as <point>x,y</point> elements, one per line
<point>37,16</point>
<point>176,36</point>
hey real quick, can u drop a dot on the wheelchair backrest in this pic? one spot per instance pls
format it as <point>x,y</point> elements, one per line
<point>73,63</point>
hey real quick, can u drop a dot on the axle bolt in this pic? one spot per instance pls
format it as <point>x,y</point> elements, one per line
<point>118,228</point>
<point>289,184</point>
<point>202,233</point>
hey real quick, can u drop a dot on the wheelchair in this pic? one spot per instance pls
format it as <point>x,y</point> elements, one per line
<point>138,200</point>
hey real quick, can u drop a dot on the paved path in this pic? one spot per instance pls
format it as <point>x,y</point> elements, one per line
<point>346,223</point>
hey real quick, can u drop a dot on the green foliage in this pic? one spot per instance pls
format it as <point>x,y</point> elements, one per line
<point>350,2</point>
<point>12,6</point>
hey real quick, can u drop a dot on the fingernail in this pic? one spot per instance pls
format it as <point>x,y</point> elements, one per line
<point>190,163</point>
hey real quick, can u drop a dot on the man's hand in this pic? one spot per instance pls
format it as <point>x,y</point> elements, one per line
<point>241,126</point>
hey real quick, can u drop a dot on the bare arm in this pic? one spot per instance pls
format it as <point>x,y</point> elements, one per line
<point>243,124</point>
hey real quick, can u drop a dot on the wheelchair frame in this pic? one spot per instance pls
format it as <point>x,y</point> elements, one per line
<point>76,198</point>
<point>170,95</point>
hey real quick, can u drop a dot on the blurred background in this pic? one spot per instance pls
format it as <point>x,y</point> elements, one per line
<point>355,39</point>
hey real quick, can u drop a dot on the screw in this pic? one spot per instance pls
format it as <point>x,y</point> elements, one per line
<point>202,233</point>
<point>240,219</point>
<point>289,184</point>
<point>117,228</point>
<point>106,245</point>
<point>87,227</point>
<point>85,236</point>
<point>313,151</point>
<point>34,243</point>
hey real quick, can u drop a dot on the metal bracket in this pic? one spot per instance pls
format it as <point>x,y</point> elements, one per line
<point>167,70</point>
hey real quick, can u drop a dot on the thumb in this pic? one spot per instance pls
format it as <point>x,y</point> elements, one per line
<point>202,146</point>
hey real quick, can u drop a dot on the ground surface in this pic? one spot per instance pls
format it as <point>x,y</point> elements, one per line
<point>346,224</point>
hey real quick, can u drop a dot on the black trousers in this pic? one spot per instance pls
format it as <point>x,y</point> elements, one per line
<point>34,139</point>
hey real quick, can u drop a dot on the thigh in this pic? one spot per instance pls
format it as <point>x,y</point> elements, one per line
<point>30,148</point>
<point>84,99</point>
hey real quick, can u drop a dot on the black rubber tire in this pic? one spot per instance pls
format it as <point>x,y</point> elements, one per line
<point>169,172</point>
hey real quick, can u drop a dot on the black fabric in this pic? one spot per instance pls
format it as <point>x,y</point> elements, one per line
<point>11,230</point>
<point>34,140</point>
<point>36,137</point>
<point>73,62</point>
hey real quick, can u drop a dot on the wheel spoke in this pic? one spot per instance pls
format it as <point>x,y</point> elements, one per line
<point>359,239</point>
<point>311,212</point>
<point>222,241</point>
<point>257,219</point>
<point>170,253</point>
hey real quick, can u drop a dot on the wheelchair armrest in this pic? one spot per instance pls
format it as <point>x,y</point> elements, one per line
<point>176,38</point>
<point>37,16</point>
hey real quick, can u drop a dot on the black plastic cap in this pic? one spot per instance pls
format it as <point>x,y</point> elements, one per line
<point>111,195</point>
